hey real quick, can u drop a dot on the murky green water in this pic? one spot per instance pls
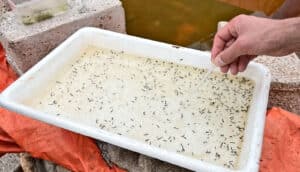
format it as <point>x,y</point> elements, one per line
<point>181,22</point>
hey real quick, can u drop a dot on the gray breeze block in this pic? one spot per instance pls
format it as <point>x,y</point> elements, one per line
<point>26,45</point>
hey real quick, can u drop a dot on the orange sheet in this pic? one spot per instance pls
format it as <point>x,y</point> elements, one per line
<point>281,148</point>
<point>21,134</point>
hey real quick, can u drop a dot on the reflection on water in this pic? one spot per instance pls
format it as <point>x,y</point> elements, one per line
<point>181,22</point>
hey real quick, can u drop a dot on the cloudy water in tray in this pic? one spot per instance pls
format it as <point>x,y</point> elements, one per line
<point>157,102</point>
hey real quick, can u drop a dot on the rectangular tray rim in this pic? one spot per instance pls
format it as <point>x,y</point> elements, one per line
<point>197,165</point>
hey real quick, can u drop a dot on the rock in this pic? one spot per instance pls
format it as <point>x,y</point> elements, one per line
<point>47,166</point>
<point>19,1</point>
<point>27,44</point>
<point>135,162</point>
<point>61,169</point>
<point>10,163</point>
<point>3,7</point>
<point>285,86</point>
<point>27,162</point>
<point>30,164</point>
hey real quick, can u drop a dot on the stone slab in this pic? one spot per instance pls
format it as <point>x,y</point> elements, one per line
<point>285,86</point>
<point>30,164</point>
<point>10,163</point>
<point>26,45</point>
<point>3,7</point>
<point>18,1</point>
<point>134,162</point>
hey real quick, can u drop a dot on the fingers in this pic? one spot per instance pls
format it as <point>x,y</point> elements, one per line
<point>229,43</point>
<point>229,55</point>
<point>243,62</point>
<point>234,68</point>
<point>223,36</point>
<point>234,43</point>
<point>224,69</point>
<point>239,65</point>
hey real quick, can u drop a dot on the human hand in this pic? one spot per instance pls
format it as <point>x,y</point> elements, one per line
<point>245,37</point>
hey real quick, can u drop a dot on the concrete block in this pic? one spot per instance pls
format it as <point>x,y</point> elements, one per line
<point>285,86</point>
<point>134,162</point>
<point>18,1</point>
<point>10,163</point>
<point>3,7</point>
<point>27,44</point>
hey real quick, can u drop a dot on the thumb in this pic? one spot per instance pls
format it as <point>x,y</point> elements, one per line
<point>228,55</point>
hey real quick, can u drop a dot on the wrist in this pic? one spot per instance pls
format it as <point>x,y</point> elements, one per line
<point>288,36</point>
<point>292,33</point>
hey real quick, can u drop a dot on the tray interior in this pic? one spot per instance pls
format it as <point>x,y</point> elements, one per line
<point>56,63</point>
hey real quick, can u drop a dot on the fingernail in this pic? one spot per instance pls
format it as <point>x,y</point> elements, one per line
<point>219,62</point>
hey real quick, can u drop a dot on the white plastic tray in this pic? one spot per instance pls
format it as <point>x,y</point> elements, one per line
<point>41,73</point>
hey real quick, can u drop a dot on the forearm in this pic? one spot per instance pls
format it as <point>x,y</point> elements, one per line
<point>290,8</point>
<point>290,34</point>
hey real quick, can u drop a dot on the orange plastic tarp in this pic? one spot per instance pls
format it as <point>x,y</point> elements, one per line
<point>280,153</point>
<point>21,134</point>
<point>281,148</point>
